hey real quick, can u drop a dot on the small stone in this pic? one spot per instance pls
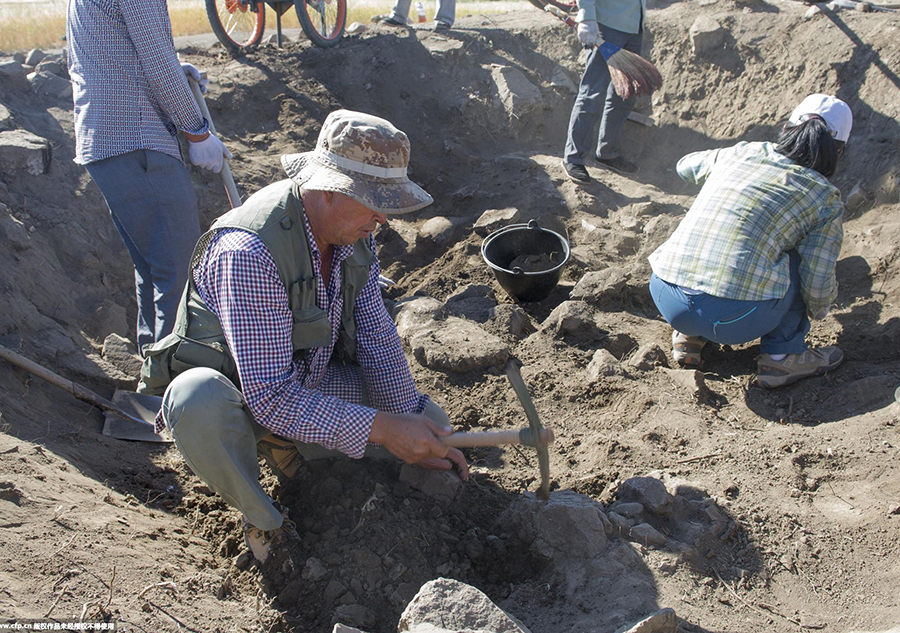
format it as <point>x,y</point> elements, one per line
<point>650,492</point>
<point>314,569</point>
<point>243,560</point>
<point>646,534</point>
<point>691,381</point>
<point>49,85</point>
<point>439,485</point>
<point>333,590</point>
<point>573,318</point>
<point>495,218</point>
<point>604,363</point>
<point>24,151</point>
<point>122,354</point>
<point>856,198</point>
<point>437,229</point>
<point>354,615</point>
<point>663,621</point>
<point>629,509</point>
<point>34,57</point>
<point>5,118</point>
<point>602,287</point>
<point>355,28</point>
<point>707,35</point>
<point>647,357</point>
<point>12,68</point>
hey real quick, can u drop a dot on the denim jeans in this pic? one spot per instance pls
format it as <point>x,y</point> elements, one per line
<point>446,11</point>
<point>780,324</point>
<point>595,93</point>
<point>154,208</point>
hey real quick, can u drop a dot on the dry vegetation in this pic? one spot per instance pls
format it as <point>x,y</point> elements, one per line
<point>27,25</point>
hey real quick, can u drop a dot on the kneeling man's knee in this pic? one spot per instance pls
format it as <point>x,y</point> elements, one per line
<point>199,393</point>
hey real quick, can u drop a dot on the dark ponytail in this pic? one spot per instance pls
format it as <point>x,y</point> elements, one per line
<point>810,144</point>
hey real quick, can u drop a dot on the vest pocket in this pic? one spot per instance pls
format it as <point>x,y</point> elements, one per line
<point>311,328</point>
<point>191,353</point>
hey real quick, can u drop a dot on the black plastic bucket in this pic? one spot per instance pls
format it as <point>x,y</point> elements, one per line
<point>503,248</point>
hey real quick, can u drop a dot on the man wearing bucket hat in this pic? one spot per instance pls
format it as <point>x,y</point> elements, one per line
<point>283,343</point>
<point>755,256</point>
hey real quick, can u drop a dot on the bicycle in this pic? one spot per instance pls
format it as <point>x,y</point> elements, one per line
<point>239,24</point>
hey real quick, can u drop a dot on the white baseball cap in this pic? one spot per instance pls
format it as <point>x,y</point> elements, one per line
<point>836,113</point>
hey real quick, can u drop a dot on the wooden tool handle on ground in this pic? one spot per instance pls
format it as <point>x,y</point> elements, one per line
<point>234,198</point>
<point>82,393</point>
<point>497,438</point>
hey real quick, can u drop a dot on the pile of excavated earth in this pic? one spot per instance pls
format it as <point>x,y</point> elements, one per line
<point>681,500</point>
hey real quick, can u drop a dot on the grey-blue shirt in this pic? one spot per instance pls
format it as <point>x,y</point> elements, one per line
<point>128,86</point>
<point>622,15</point>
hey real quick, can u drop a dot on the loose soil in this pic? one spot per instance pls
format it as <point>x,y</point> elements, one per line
<point>807,475</point>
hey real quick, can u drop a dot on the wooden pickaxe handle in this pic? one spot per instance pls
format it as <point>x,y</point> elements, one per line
<point>234,198</point>
<point>498,438</point>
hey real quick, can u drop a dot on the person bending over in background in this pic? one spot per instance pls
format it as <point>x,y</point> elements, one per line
<point>619,22</point>
<point>755,256</point>
<point>283,344</point>
<point>131,98</point>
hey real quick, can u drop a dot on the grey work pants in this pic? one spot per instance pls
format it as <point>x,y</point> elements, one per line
<point>596,98</point>
<point>217,436</point>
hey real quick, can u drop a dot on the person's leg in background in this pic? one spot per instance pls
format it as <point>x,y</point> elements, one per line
<point>784,355</point>
<point>616,109</point>
<point>587,107</point>
<point>400,12</point>
<point>154,207</point>
<point>445,14</point>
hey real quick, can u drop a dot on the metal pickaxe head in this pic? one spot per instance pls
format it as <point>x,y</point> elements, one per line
<point>539,436</point>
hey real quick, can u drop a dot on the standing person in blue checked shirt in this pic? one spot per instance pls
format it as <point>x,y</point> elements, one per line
<point>755,256</point>
<point>131,98</point>
<point>283,344</point>
<point>619,22</point>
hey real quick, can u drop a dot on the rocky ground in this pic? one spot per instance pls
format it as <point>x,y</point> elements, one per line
<point>739,508</point>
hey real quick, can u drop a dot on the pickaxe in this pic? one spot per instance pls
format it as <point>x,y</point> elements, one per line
<point>535,435</point>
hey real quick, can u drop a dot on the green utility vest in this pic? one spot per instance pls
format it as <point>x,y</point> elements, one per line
<point>275,215</point>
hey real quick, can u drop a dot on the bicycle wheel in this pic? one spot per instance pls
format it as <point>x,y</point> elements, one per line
<point>235,24</point>
<point>322,20</point>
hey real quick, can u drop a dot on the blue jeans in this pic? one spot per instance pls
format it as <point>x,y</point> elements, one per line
<point>595,92</point>
<point>780,324</point>
<point>154,208</point>
<point>446,11</point>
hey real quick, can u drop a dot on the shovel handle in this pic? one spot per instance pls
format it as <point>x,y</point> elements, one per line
<point>82,393</point>
<point>498,438</point>
<point>234,198</point>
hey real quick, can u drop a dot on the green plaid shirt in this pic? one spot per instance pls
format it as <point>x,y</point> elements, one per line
<point>754,207</point>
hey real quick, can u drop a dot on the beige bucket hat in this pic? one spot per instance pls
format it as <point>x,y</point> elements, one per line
<point>361,156</point>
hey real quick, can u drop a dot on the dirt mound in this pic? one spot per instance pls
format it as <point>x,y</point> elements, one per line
<point>793,509</point>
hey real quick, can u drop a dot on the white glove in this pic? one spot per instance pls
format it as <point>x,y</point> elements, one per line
<point>589,33</point>
<point>191,72</point>
<point>210,153</point>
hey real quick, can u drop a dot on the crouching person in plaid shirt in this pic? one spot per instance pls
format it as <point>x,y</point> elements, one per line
<point>755,256</point>
<point>283,343</point>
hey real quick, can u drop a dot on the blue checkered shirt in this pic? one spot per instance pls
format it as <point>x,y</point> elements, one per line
<point>754,207</point>
<point>311,400</point>
<point>129,89</point>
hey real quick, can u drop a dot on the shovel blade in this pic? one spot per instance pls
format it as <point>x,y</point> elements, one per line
<point>140,406</point>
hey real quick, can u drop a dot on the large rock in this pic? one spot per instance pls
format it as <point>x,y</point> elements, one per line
<point>22,151</point>
<point>573,318</point>
<point>511,319</point>
<point>568,526</point>
<point>517,94</point>
<point>452,344</point>
<point>603,364</point>
<point>495,218</point>
<point>648,356</point>
<point>12,68</point>
<point>649,492</point>
<point>707,36</point>
<point>34,57</point>
<point>122,354</point>
<point>49,85</point>
<point>602,287</point>
<point>450,605</point>
<point>438,229</point>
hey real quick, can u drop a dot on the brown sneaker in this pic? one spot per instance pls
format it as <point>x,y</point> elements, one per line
<point>813,362</point>
<point>686,349</point>
<point>281,456</point>
<point>261,542</point>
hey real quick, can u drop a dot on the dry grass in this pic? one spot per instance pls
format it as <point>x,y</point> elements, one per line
<point>42,24</point>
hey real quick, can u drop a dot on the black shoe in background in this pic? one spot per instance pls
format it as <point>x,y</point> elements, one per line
<point>393,22</point>
<point>578,173</point>
<point>619,164</point>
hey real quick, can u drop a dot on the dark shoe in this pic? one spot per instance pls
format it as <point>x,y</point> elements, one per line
<point>281,456</point>
<point>578,173</point>
<point>441,26</point>
<point>813,362</point>
<point>686,349</point>
<point>619,164</point>
<point>391,21</point>
<point>262,542</point>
